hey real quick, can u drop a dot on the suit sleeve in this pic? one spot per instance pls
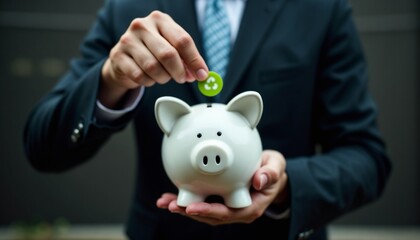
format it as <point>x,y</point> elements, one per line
<point>352,168</point>
<point>61,131</point>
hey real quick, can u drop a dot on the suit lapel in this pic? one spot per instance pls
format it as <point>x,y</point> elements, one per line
<point>256,19</point>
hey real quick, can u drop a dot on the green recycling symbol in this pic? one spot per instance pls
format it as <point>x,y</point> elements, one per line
<point>212,85</point>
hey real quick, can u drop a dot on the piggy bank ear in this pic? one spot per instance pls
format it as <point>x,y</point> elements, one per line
<point>249,104</point>
<point>168,110</point>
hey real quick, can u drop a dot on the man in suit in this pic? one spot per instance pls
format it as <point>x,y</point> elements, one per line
<point>304,58</point>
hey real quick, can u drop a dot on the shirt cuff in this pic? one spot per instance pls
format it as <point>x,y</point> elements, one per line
<point>271,213</point>
<point>105,115</point>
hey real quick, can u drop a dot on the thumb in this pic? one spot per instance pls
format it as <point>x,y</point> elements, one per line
<point>261,181</point>
<point>194,64</point>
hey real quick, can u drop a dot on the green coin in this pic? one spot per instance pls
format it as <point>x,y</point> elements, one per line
<point>212,85</point>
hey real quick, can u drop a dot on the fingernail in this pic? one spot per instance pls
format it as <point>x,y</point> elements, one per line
<point>263,181</point>
<point>174,210</point>
<point>202,74</point>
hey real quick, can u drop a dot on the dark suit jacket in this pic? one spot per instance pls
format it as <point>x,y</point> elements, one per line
<point>304,58</point>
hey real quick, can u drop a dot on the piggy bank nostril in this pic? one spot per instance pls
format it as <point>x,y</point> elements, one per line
<point>218,159</point>
<point>205,160</point>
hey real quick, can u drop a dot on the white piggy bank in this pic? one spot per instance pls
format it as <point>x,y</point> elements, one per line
<point>211,149</point>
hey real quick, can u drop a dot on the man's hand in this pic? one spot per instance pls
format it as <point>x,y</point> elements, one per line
<point>153,50</point>
<point>269,186</point>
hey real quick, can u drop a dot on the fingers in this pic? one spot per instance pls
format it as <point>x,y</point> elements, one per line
<point>158,49</point>
<point>210,213</point>
<point>270,180</point>
<point>153,53</point>
<point>184,45</point>
<point>154,49</point>
<point>169,201</point>
<point>122,65</point>
<point>165,200</point>
<point>126,63</point>
<point>164,50</point>
<point>208,209</point>
<point>262,181</point>
<point>272,169</point>
<point>218,213</point>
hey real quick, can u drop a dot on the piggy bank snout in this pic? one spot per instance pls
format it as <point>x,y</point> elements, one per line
<point>211,157</point>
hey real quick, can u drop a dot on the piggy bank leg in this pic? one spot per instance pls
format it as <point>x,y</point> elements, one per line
<point>239,198</point>
<point>186,197</point>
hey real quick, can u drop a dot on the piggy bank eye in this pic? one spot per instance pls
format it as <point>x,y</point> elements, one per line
<point>199,135</point>
<point>219,133</point>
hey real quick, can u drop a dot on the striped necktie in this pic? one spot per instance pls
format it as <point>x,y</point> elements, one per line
<point>216,37</point>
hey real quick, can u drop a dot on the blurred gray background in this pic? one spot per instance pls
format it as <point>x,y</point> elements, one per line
<point>37,38</point>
